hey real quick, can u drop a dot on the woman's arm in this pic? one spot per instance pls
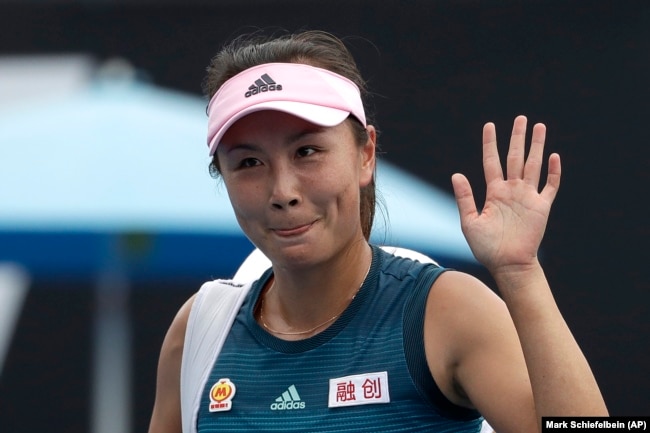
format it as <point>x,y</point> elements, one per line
<point>166,415</point>
<point>505,236</point>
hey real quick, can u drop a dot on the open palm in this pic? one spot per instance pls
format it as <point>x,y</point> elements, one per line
<point>509,228</point>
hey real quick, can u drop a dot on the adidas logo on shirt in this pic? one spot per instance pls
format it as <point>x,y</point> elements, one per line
<point>289,400</point>
<point>263,84</point>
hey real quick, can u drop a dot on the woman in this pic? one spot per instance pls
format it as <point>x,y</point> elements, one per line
<point>339,335</point>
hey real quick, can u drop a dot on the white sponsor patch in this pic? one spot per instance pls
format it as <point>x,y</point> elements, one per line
<point>221,395</point>
<point>367,388</point>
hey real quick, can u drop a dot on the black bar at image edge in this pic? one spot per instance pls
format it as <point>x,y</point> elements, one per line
<point>556,424</point>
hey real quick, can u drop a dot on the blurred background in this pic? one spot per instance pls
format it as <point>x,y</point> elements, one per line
<point>109,219</point>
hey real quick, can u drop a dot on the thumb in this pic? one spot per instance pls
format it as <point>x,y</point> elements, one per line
<point>464,197</point>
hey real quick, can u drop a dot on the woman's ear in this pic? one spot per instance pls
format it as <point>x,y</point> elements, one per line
<point>368,160</point>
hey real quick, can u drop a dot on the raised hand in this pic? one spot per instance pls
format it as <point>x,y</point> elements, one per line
<point>508,230</point>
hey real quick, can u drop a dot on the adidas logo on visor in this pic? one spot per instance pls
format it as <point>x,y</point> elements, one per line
<point>289,400</point>
<point>263,84</point>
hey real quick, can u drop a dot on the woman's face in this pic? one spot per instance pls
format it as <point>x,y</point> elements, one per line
<point>294,186</point>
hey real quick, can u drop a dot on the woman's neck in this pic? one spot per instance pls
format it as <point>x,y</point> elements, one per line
<point>297,305</point>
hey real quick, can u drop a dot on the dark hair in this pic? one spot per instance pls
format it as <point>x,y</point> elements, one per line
<point>315,48</point>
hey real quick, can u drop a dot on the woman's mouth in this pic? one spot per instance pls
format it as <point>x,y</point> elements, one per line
<point>292,231</point>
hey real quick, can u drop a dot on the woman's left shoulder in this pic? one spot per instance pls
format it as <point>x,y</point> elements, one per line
<point>464,305</point>
<point>463,290</point>
<point>471,343</point>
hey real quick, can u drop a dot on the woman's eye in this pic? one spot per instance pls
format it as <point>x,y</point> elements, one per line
<point>249,162</point>
<point>305,151</point>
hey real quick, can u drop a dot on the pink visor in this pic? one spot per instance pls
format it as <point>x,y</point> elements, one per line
<point>313,94</point>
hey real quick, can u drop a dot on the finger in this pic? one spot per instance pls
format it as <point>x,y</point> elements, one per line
<point>491,163</point>
<point>533,167</point>
<point>464,198</point>
<point>553,178</point>
<point>516,151</point>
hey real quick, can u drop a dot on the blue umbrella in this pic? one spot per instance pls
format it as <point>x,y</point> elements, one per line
<point>123,159</point>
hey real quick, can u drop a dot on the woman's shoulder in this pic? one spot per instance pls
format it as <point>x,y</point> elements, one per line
<point>175,338</point>
<point>455,296</point>
<point>465,323</point>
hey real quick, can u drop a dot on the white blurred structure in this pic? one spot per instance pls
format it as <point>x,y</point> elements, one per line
<point>14,284</point>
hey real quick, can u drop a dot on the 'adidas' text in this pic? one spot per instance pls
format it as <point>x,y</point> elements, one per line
<point>288,405</point>
<point>289,400</point>
<point>263,84</point>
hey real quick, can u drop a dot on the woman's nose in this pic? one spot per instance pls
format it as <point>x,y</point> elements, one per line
<point>285,190</point>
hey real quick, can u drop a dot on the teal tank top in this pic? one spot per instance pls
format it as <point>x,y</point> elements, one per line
<point>367,372</point>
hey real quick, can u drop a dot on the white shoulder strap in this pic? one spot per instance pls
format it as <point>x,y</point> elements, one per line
<point>212,314</point>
